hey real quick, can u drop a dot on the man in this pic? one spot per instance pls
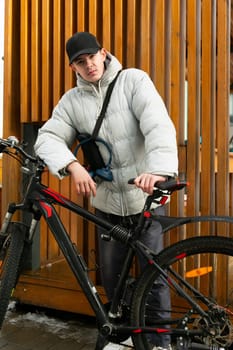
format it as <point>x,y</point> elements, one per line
<point>139,132</point>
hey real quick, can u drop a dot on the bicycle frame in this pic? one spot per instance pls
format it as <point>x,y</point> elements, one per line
<point>39,200</point>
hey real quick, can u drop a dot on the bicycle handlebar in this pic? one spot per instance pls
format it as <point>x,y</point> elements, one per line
<point>13,142</point>
<point>170,185</point>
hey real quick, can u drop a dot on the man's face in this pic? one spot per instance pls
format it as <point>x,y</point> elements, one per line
<point>90,66</point>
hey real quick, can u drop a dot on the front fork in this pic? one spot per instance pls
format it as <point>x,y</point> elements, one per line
<point>12,208</point>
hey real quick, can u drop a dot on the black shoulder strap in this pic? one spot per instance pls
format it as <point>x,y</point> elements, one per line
<point>104,107</point>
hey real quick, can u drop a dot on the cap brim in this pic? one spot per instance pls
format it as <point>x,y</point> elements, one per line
<point>83,52</point>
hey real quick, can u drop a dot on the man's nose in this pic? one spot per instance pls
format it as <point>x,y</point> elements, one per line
<point>88,62</point>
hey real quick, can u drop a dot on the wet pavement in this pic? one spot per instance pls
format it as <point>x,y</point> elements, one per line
<point>31,328</point>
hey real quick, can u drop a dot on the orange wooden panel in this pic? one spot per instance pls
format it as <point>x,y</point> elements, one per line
<point>174,92</point>
<point>46,84</point>
<point>207,109</point>
<point>118,29</point>
<point>181,126</point>
<point>223,90</point>
<point>193,79</point>
<point>11,122</point>
<point>70,29</point>
<point>35,61</point>
<point>25,78</point>
<point>92,17</point>
<point>158,67</point>
<point>145,36</point>
<point>106,24</point>
<point>58,51</point>
<point>81,4</point>
<point>175,63</point>
<point>130,34</point>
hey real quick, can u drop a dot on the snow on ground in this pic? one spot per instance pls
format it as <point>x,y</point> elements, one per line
<point>66,329</point>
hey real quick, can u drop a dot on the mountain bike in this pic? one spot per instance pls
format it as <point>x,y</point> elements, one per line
<point>199,317</point>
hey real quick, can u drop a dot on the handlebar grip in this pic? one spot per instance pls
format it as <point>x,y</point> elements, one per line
<point>169,185</point>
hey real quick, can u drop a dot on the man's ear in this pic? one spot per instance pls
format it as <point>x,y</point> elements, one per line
<point>103,52</point>
<point>72,66</point>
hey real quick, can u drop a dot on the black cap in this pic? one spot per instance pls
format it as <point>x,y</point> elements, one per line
<point>81,43</point>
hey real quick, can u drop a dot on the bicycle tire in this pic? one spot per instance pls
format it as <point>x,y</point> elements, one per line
<point>202,262</point>
<point>11,258</point>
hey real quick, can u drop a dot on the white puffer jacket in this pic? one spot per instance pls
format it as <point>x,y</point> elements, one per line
<point>136,126</point>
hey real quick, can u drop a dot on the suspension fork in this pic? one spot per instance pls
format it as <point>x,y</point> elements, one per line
<point>12,207</point>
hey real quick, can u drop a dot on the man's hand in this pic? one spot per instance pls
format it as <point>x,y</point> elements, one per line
<point>83,182</point>
<point>147,181</point>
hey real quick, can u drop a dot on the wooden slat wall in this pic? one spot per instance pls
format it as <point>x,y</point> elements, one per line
<point>180,43</point>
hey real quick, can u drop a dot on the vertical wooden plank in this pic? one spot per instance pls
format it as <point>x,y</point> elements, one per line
<point>58,50</point>
<point>117,49</point>
<point>130,34</point>
<point>69,26</point>
<point>144,36</point>
<point>167,56</point>
<point>223,91</point>
<point>11,102</point>
<point>70,29</point>
<point>176,87</point>
<point>159,48</point>
<point>92,25</point>
<point>175,63</point>
<point>25,48</point>
<point>207,125</point>
<point>99,26</point>
<point>56,89</point>
<point>35,61</point>
<point>182,63</point>
<point>193,78</point>
<point>223,85</point>
<point>208,110</point>
<point>106,25</point>
<point>77,223</point>
<point>47,76</point>
<point>81,15</point>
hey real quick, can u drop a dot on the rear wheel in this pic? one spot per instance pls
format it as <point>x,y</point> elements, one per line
<point>200,314</point>
<point>10,261</point>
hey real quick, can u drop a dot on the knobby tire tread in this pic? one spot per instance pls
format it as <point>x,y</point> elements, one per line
<point>10,268</point>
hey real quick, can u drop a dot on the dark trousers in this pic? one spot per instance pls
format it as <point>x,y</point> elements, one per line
<point>111,257</point>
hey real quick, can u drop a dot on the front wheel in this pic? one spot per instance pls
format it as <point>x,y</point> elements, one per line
<point>199,311</point>
<point>11,250</point>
